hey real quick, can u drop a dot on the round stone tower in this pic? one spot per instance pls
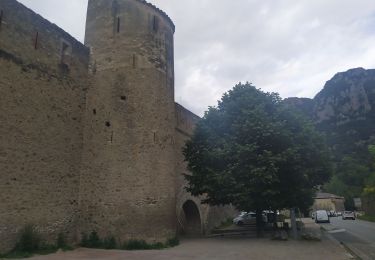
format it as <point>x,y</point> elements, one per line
<point>128,175</point>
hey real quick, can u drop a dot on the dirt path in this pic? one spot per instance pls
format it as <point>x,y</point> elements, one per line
<point>217,249</point>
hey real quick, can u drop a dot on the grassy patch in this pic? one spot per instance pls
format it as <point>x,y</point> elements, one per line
<point>310,237</point>
<point>367,218</point>
<point>30,243</point>
<point>16,255</point>
<point>91,241</point>
<point>226,223</point>
<point>172,242</point>
<point>143,245</point>
<point>109,243</point>
<point>94,241</point>
<point>42,250</point>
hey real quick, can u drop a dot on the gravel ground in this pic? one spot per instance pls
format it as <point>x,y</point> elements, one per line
<point>218,248</point>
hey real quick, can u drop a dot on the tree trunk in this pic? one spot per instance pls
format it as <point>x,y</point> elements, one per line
<point>259,222</point>
<point>274,222</point>
<point>293,222</point>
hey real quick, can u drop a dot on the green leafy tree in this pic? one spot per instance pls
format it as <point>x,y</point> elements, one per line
<point>371,149</point>
<point>351,177</point>
<point>254,153</point>
<point>369,188</point>
<point>353,172</point>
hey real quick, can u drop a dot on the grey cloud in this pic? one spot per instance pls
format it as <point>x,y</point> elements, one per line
<point>70,15</point>
<point>288,46</point>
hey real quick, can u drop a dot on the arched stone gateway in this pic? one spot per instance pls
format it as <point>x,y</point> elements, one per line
<point>191,219</point>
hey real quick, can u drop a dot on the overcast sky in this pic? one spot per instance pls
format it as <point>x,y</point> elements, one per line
<point>287,46</point>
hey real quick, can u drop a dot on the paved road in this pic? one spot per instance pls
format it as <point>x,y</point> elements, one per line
<point>358,235</point>
<point>363,229</point>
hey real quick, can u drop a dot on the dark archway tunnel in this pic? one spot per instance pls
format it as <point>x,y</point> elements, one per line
<point>191,219</point>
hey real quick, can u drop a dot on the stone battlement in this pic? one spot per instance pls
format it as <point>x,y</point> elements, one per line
<point>161,12</point>
<point>38,43</point>
<point>185,120</point>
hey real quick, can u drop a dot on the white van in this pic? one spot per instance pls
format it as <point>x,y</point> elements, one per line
<point>321,216</point>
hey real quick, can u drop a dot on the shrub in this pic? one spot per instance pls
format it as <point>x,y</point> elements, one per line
<point>157,245</point>
<point>84,240</point>
<point>367,218</point>
<point>16,255</point>
<point>109,242</point>
<point>94,240</point>
<point>310,237</point>
<point>30,243</point>
<point>135,244</point>
<point>29,240</point>
<point>61,241</point>
<point>46,249</point>
<point>225,223</point>
<point>173,242</point>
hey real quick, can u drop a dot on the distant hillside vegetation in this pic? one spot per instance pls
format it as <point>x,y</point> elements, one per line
<point>345,112</point>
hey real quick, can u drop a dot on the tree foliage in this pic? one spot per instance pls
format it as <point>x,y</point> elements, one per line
<point>255,153</point>
<point>353,178</point>
<point>369,188</point>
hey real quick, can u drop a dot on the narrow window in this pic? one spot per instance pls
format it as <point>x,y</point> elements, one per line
<point>94,68</point>
<point>115,7</point>
<point>36,40</point>
<point>1,17</point>
<point>94,111</point>
<point>66,52</point>
<point>134,61</point>
<point>118,24</point>
<point>107,124</point>
<point>155,24</point>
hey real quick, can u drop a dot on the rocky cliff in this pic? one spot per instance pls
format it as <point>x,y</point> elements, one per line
<point>344,111</point>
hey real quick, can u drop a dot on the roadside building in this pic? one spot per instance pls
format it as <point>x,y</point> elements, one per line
<point>328,201</point>
<point>368,204</point>
<point>358,203</point>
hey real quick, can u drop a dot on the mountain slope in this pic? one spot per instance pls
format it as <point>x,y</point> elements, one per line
<point>344,111</point>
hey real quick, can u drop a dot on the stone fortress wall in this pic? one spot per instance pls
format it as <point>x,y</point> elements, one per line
<point>43,73</point>
<point>91,137</point>
<point>127,180</point>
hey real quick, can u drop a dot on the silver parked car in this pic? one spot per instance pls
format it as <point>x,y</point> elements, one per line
<point>245,218</point>
<point>348,215</point>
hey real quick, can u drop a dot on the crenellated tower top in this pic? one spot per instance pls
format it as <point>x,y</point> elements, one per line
<point>161,12</point>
